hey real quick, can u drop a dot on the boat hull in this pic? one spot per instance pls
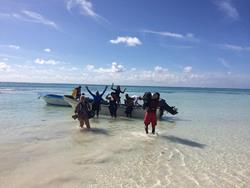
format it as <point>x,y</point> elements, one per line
<point>138,111</point>
<point>57,100</point>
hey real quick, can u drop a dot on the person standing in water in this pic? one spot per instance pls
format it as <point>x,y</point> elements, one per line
<point>129,103</point>
<point>117,91</point>
<point>97,98</point>
<point>112,104</point>
<point>150,115</point>
<point>81,110</point>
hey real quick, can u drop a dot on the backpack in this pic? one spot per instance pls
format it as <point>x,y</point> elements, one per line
<point>91,113</point>
<point>83,107</point>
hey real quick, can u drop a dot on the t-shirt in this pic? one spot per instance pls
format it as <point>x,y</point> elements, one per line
<point>153,105</point>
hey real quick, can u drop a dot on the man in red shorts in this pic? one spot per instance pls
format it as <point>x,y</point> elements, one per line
<point>150,115</point>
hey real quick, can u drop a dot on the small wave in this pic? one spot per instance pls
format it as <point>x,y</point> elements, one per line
<point>7,90</point>
<point>142,135</point>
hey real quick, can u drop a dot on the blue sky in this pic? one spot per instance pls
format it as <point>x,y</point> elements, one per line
<point>144,42</point>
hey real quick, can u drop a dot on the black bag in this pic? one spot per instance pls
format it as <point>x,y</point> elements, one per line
<point>75,116</point>
<point>91,113</point>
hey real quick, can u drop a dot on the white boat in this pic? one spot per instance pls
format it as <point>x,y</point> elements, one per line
<point>138,111</point>
<point>53,99</point>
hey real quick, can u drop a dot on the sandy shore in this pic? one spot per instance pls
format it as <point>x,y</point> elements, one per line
<point>118,154</point>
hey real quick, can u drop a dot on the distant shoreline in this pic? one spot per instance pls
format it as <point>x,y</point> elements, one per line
<point>151,86</point>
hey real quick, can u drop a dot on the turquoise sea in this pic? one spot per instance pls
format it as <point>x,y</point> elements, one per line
<point>206,145</point>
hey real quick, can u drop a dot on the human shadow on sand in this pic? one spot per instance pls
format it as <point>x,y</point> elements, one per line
<point>95,131</point>
<point>184,141</point>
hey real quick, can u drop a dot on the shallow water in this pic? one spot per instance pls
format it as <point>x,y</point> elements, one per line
<point>206,145</point>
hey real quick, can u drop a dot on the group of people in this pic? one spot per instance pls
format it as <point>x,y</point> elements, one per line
<point>83,108</point>
<point>113,98</point>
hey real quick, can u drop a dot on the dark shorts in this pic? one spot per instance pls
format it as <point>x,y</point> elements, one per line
<point>82,115</point>
<point>129,110</point>
<point>95,106</point>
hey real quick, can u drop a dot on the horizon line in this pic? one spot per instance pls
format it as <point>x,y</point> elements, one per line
<point>89,84</point>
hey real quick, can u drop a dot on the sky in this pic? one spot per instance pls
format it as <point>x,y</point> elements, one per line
<point>194,43</point>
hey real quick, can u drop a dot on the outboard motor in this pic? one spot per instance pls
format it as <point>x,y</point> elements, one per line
<point>165,107</point>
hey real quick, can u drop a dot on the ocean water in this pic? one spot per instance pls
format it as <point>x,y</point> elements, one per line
<point>206,145</point>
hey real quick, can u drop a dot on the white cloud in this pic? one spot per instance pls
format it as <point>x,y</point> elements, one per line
<point>133,69</point>
<point>45,62</point>
<point>29,16</point>
<point>90,67</point>
<point>234,47</point>
<point>38,18</point>
<point>14,46</point>
<point>47,50</point>
<point>74,68</point>
<point>157,76</point>
<point>227,7</point>
<point>187,69</point>
<point>130,41</point>
<point>224,62</point>
<point>86,8</point>
<point>129,76</point>
<point>188,36</point>
<point>4,66</point>
<point>26,72</point>
<point>115,68</point>
<point>159,69</point>
<point>167,34</point>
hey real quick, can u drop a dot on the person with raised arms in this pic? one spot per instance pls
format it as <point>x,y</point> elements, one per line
<point>97,98</point>
<point>112,104</point>
<point>117,92</point>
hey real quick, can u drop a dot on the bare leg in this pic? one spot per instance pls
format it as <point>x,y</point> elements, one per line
<point>146,129</point>
<point>115,112</point>
<point>153,129</point>
<point>81,122</point>
<point>97,113</point>
<point>111,112</point>
<point>87,123</point>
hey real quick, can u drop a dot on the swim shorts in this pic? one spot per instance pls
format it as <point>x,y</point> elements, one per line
<point>150,117</point>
